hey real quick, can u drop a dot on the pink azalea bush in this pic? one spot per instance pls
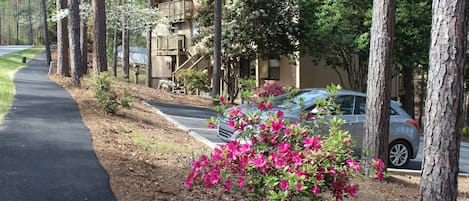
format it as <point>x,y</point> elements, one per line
<point>270,88</point>
<point>283,160</point>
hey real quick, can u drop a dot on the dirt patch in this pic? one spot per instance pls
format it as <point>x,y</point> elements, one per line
<point>147,158</point>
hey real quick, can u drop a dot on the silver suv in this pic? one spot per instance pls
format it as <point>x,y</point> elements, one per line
<point>403,130</point>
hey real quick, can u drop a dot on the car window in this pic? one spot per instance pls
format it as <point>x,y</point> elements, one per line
<point>361,106</point>
<point>346,104</point>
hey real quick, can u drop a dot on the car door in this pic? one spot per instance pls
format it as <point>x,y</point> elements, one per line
<point>347,108</point>
<point>359,124</point>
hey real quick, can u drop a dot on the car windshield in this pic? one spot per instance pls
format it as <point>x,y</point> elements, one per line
<point>307,97</point>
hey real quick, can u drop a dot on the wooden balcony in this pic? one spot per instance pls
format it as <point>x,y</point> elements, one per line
<point>176,10</point>
<point>168,45</point>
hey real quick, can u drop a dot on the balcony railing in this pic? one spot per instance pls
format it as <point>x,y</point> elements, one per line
<point>169,44</point>
<point>177,10</point>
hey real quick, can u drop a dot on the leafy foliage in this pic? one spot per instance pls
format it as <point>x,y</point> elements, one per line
<point>193,80</point>
<point>337,32</point>
<point>109,97</point>
<point>282,160</point>
<point>251,29</point>
<point>270,88</point>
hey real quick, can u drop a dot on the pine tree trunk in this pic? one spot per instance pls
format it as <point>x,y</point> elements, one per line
<point>30,18</point>
<point>99,34</point>
<point>114,48</point>
<point>125,50</point>
<point>149,80</point>
<point>378,100</point>
<point>217,50</point>
<point>84,44</point>
<point>46,31</point>
<point>63,65</point>
<point>408,98</point>
<point>17,17</point>
<point>114,52</point>
<point>443,107</point>
<point>74,35</point>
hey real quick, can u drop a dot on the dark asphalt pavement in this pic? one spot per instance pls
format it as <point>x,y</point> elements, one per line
<point>45,149</point>
<point>193,118</point>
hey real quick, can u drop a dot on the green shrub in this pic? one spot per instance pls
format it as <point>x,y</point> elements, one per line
<point>193,80</point>
<point>109,97</point>
<point>465,132</point>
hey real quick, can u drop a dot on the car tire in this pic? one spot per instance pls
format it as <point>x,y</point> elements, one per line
<point>399,154</point>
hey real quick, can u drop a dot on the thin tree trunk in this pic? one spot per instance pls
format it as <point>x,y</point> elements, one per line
<point>74,35</point>
<point>114,48</point>
<point>63,65</point>
<point>46,31</point>
<point>84,43</point>
<point>31,40</point>
<point>9,24</point>
<point>217,50</point>
<point>99,34</point>
<point>125,48</point>
<point>408,97</point>
<point>378,100</point>
<point>17,22</point>
<point>149,80</point>
<point>114,52</point>
<point>443,107</point>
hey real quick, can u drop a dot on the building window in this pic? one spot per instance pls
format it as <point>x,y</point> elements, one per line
<point>274,69</point>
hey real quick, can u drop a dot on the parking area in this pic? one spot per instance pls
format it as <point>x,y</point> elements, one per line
<point>193,119</point>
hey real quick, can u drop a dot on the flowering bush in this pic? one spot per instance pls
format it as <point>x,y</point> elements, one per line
<point>270,88</point>
<point>108,97</point>
<point>283,160</point>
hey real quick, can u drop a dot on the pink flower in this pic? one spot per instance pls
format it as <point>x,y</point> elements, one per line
<point>309,116</point>
<point>244,148</point>
<point>227,185</point>
<point>222,99</point>
<point>353,164</point>
<point>299,186</point>
<point>231,124</point>
<point>284,185</point>
<point>319,176</point>
<point>287,132</point>
<point>277,125</point>
<point>378,164</point>
<point>260,161</point>
<point>241,182</point>
<point>236,113</point>
<point>312,143</point>
<point>379,176</point>
<point>315,190</point>
<point>211,125</point>
<point>352,190</point>
<point>278,161</point>
<point>261,106</point>
<point>188,183</point>
<point>284,147</point>
<point>279,113</point>
<point>297,159</point>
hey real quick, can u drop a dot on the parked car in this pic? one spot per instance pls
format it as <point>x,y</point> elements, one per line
<point>403,130</point>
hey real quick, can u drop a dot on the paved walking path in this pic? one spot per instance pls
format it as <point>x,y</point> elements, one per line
<point>45,149</point>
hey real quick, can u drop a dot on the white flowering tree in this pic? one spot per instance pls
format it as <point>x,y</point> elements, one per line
<point>131,17</point>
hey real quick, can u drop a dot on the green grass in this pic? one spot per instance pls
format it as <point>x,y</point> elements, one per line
<point>9,64</point>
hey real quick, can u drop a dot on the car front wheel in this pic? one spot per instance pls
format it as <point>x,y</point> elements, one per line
<point>399,154</point>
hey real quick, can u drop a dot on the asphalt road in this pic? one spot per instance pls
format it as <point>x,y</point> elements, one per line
<point>7,49</point>
<point>45,149</point>
<point>194,119</point>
